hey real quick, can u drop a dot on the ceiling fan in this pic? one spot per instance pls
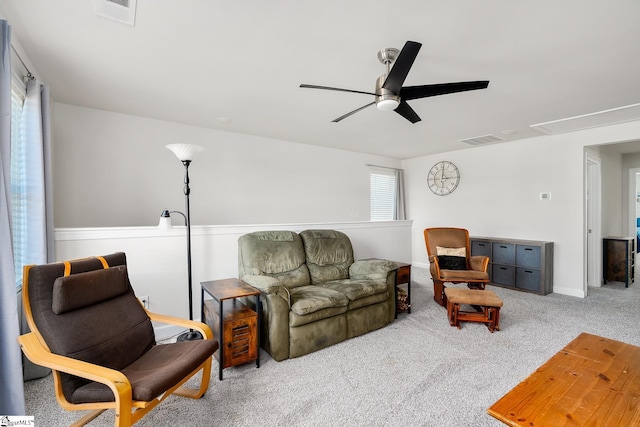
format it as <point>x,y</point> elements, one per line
<point>391,95</point>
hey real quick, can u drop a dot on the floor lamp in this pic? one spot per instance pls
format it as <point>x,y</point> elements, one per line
<point>185,153</point>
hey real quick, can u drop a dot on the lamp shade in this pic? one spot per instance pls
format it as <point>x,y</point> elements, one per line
<point>185,151</point>
<point>165,220</point>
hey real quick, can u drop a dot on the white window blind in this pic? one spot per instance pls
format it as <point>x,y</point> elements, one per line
<point>18,171</point>
<point>383,194</point>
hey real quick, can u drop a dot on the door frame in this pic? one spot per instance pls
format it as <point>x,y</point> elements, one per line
<point>632,201</point>
<point>593,222</point>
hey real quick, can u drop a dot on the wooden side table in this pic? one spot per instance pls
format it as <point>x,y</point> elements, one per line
<point>403,277</point>
<point>234,325</point>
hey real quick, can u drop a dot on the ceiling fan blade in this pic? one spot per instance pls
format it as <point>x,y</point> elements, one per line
<point>352,112</point>
<point>407,112</point>
<point>415,92</point>
<point>336,89</point>
<point>401,66</point>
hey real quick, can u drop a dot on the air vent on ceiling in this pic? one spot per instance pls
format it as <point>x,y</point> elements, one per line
<point>119,10</point>
<point>481,140</point>
<point>627,113</point>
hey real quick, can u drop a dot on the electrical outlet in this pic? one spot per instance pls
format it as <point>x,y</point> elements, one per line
<point>145,301</point>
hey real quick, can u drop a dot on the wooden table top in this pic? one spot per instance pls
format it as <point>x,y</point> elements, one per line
<point>228,289</point>
<point>593,381</point>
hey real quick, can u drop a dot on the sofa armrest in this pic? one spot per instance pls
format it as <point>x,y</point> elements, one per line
<point>268,285</point>
<point>265,284</point>
<point>479,263</point>
<point>371,269</point>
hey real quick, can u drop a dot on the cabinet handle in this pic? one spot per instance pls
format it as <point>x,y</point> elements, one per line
<point>503,246</point>
<point>480,244</point>
<point>528,249</point>
<point>503,268</point>
<point>528,271</point>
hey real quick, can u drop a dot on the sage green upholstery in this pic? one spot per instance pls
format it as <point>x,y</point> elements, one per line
<point>313,293</point>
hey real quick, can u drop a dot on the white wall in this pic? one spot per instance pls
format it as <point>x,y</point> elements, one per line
<point>157,258</point>
<point>498,196</point>
<point>114,170</point>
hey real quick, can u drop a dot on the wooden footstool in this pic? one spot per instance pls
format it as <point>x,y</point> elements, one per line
<point>487,301</point>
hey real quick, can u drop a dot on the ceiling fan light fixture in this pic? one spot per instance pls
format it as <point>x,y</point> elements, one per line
<point>387,104</point>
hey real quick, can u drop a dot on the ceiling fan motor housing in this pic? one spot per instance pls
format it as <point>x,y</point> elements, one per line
<point>385,99</point>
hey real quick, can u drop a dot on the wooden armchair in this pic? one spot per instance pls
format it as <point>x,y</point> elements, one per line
<point>90,329</point>
<point>450,261</point>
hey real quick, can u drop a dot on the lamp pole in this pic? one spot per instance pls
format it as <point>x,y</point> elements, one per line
<point>184,152</point>
<point>187,191</point>
<point>191,334</point>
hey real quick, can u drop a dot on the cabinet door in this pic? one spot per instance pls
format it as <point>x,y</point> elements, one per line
<point>503,253</point>
<point>616,266</point>
<point>528,256</point>
<point>240,339</point>
<point>481,248</point>
<point>528,278</point>
<point>503,275</point>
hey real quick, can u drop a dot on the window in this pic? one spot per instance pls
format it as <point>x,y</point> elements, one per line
<point>383,194</point>
<point>18,190</point>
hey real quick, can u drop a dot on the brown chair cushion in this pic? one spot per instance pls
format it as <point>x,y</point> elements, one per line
<point>154,373</point>
<point>84,289</point>
<point>463,276</point>
<point>483,298</point>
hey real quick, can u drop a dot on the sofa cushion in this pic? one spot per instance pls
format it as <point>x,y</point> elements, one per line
<point>278,254</point>
<point>309,299</point>
<point>357,289</point>
<point>329,255</point>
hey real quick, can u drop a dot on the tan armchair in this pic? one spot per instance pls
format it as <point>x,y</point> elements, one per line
<point>450,261</point>
<point>90,329</point>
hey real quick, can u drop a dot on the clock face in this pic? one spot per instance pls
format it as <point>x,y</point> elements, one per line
<point>443,178</point>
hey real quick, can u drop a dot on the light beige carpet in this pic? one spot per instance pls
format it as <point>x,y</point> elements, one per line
<point>418,371</point>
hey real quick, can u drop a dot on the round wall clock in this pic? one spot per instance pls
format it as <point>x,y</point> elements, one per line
<point>443,178</point>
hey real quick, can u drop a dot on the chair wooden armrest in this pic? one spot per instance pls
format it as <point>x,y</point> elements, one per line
<point>203,328</point>
<point>115,380</point>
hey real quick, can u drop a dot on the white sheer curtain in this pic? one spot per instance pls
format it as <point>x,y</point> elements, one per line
<point>38,241</point>
<point>11,382</point>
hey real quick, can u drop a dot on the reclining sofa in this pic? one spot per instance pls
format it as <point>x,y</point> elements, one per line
<point>313,294</point>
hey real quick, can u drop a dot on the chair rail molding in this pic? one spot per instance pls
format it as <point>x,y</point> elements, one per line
<point>157,258</point>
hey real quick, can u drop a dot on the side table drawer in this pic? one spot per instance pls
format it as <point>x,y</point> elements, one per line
<point>239,331</point>
<point>403,275</point>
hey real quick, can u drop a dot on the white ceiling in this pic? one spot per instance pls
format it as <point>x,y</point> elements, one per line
<point>198,61</point>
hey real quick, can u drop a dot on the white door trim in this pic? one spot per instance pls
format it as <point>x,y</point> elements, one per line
<point>632,201</point>
<point>593,221</point>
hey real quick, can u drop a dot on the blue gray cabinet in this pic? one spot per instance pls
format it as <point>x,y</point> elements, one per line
<point>525,265</point>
